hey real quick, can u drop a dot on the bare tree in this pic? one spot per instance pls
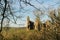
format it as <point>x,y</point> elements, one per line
<point>7,12</point>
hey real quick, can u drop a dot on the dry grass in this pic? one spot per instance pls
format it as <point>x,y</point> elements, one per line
<point>23,34</point>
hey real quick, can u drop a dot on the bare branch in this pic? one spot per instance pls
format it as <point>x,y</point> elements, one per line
<point>3,15</point>
<point>30,4</point>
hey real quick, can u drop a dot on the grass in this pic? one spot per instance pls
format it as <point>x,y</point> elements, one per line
<point>23,34</point>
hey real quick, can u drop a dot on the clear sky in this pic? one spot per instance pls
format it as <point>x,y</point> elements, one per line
<point>28,10</point>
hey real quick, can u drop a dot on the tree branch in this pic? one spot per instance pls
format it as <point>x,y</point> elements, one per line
<point>3,14</point>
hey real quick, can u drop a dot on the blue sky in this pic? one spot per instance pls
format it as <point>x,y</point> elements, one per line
<point>28,10</point>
